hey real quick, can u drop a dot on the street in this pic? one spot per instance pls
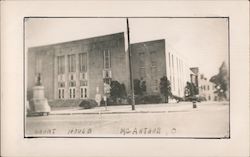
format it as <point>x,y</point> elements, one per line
<point>208,120</point>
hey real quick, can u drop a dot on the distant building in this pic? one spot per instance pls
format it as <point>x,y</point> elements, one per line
<point>207,89</point>
<point>194,76</point>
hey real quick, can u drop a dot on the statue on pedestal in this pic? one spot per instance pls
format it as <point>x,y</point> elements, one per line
<point>39,104</point>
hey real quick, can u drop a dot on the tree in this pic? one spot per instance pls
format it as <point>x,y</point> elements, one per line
<point>117,90</point>
<point>191,90</point>
<point>221,81</point>
<point>139,87</point>
<point>165,88</point>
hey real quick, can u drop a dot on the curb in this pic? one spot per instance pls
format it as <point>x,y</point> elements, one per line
<point>125,112</point>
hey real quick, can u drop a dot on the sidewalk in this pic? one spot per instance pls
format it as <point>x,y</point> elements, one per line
<point>148,108</point>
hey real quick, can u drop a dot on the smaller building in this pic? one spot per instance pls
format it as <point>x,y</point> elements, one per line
<point>154,59</point>
<point>207,89</point>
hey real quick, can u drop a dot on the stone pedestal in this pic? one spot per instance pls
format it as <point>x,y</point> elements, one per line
<point>39,103</point>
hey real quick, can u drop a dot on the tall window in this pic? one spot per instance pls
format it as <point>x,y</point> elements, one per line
<point>83,62</point>
<point>107,61</point>
<point>72,63</point>
<point>61,64</point>
<point>178,79</point>
<point>72,93</point>
<point>173,71</point>
<point>154,81</point>
<point>61,93</point>
<point>141,59</point>
<point>83,92</point>
<point>170,71</point>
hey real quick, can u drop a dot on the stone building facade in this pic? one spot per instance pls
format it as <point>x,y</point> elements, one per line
<point>74,70</point>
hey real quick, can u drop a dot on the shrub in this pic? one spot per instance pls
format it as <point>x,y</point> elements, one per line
<point>165,88</point>
<point>139,87</point>
<point>177,98</point>
<point>148,99</point>
<point>88,103</point>
<point>117,92</point>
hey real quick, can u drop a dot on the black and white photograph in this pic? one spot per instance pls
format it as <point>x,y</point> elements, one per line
<point>124,78</point>
<point>157,77</point>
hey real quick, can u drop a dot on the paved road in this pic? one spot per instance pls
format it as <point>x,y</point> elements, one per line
<point>208,120</point>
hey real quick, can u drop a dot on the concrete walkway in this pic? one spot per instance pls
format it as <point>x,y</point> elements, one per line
<point>148,108</point>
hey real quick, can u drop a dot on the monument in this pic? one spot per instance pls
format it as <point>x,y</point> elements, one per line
<point>39,104</point>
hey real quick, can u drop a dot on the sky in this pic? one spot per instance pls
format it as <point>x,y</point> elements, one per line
<point>203,42</point>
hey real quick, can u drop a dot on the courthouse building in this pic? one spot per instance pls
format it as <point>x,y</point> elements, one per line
<point>77,69</point>
<point>74,70</point>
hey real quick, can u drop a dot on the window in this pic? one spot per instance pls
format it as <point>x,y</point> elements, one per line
<point>72,63</point>
<point>83,83</point>
<point>107,80</point>
<point>154,69</point>
<point>142,73</point>
<point>107,61</point>
<point>107,73</point>
<point>83,76</point>
<point>72,83</point>
<point>207,87</point>
<point>61,64</point>
<point>61,93</point>
<point>173,71</point>
<point>61,84</point>
<point>169,61</point>
<point>72,93</point>
<point>83,62</point>
<point>141,59</point>
<point>83,92</point>
<point>154,80</point>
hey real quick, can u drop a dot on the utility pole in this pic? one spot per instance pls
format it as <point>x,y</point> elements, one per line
<point>130,69</point>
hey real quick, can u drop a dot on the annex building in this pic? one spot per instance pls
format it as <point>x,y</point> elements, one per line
<point>78,69</point>
<point>154,59</point>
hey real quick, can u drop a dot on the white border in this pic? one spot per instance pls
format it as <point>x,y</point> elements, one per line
<point>13,143</point>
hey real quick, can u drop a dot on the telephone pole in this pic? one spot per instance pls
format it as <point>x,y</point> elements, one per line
<point>130,69</point>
